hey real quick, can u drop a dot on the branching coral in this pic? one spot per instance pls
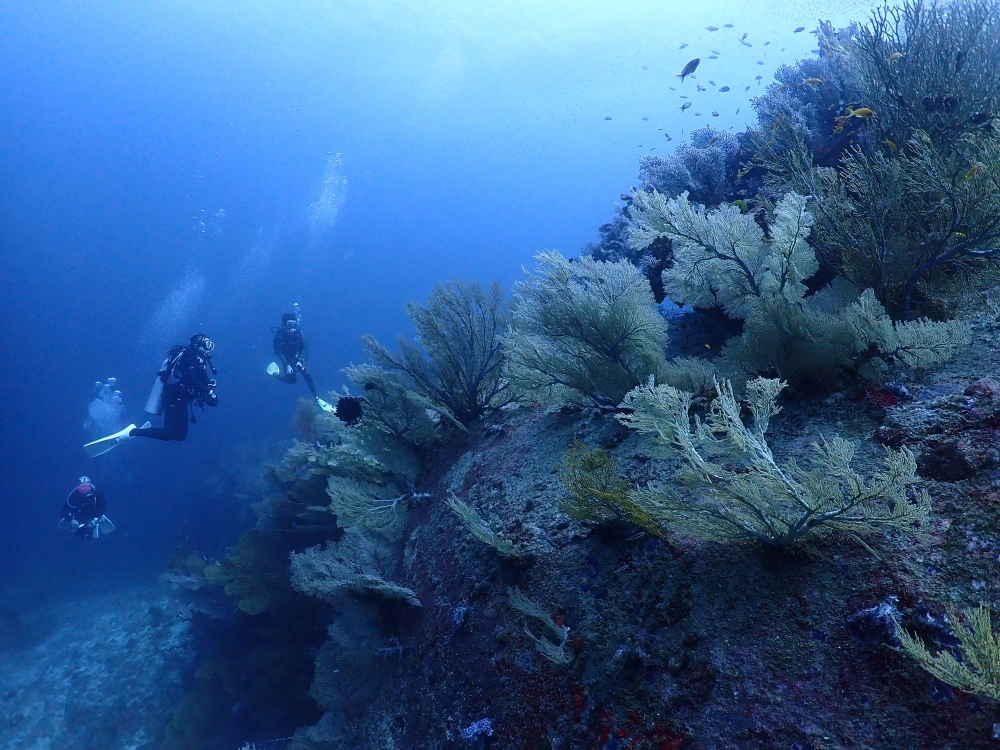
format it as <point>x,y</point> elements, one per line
<point>723,258</point>
<point>919,228</point>
<point>597,492</point>
<point>583,331</point>
<point>978,669</point>
<point>701,168</point>
<point>392,406</point>
<point>356,564</point>
<point>458,364</point>
<point>734,489</point>
<point>554,651</point>
<point>930,67</point>
<point>484,532</point>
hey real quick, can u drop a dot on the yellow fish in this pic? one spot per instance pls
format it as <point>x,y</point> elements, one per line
<point>862,112</point>
<point>973,170</point>
<point>813,81</point>
<point>889,144</point>
<point>894,56</point>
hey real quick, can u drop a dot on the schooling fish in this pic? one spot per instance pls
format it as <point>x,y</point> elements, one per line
<point>745,43</point>
<point>713,140</point>
<point>800,28</point>
<point>889,145</point>
<point>766,44</point>
<point>714,113</point>
<point>715,52</point>
<point>747,88</point>
<point>757,79</point>
<point>685,105</point>
<point>711,83</point>
<point>683,45</point>
<point>894,56</point>
<point>973,170</point>
<point>700,87</point>
<point>690,68</point>
<point>813,81</point>
<point>724,89</point>
<point>668,136</point>
<point>738,108</point>
<point>728,25</point>
<point>745,35</point>
<point>713,57</point>
<point>711,28</point>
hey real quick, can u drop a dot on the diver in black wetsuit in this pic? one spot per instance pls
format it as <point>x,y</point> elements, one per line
<point>185,381</point>
<point>290,348</point>
<point>83,511</point>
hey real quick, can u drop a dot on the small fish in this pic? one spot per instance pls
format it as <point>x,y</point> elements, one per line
<point>690,68</point>
<point>645,119</point>
<point>745,43</point>
<point>716,52</point>
<point>813,81</point>
<point>645,67</point>
<point>713,57</point>
<point>671,88</point>
<point>863,113</point>
<point>738,109</point>
<point>760,62</point>
<point>685,96</point>
<point>781,88</point>
<point>728,25</point>
<point>713,140</point>
<point>800,28</point>
<point>894,56</point>
<point>724,89</point>
<point>889,145</point>
<point>711,83</point>
<point>711,28</point>
<point>747,88</point>
<point>973,170</point>
<point>757,79</point>
<point>697,114</point>
<point>683,45</point>
<point>745,34</point>
<point>700,87</point>
<point>625,196</point>
<point>608,117</point>
<point>714,113</point>
<point>685,105</point>
<point>668,136</point>
<point>766,44</point>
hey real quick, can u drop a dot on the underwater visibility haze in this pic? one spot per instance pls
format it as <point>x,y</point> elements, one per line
<point>650,399</point>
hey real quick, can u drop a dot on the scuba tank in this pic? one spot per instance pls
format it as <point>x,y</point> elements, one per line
<point>154,404</point>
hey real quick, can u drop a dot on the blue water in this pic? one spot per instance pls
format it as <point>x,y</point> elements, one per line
<point>174,167</point>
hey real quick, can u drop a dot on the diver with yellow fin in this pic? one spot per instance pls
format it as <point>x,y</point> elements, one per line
<point>290,350</point>
<point>183,380</point>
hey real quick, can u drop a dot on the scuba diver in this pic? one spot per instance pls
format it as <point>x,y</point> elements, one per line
<point>83,512</point>
<point>290,347</point>
<point>182,381</point>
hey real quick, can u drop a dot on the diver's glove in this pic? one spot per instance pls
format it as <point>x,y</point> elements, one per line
<point>212,399</point>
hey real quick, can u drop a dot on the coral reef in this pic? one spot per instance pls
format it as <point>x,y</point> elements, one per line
<point>460,331</point>
<point>583,332</point>
<point>731,488</point>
